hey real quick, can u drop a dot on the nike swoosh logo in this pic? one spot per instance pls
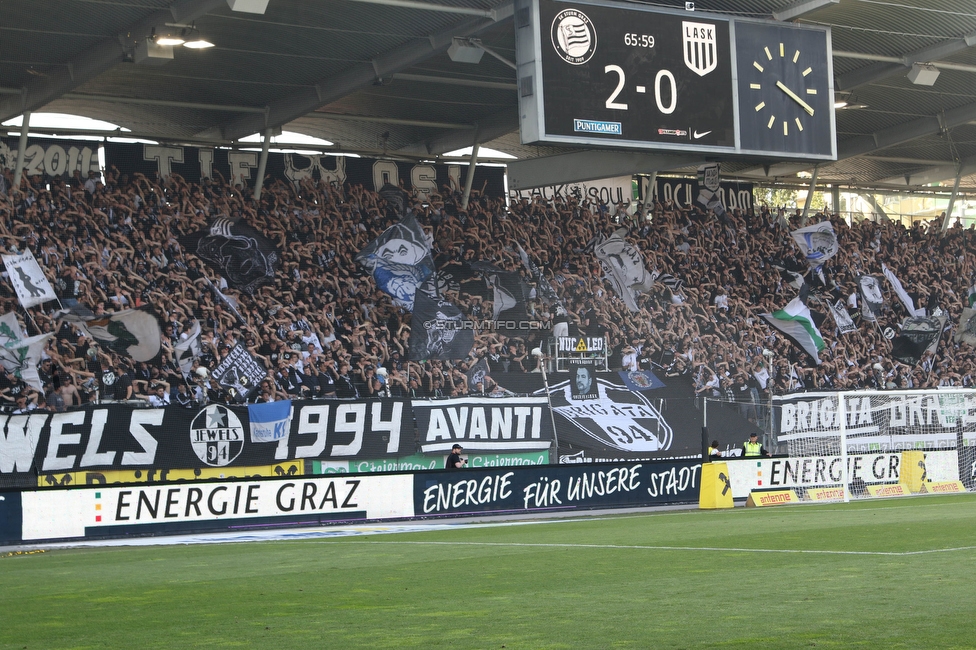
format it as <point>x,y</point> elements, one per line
<point>700,135</point>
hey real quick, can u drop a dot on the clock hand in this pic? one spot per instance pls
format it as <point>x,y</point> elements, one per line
<point>795,97</point>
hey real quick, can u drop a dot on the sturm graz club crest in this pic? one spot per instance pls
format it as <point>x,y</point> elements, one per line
<point>573,36</point>
<point>618,418</point>
<point>217,435</point>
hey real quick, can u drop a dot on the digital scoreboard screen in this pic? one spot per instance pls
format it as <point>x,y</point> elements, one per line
<point>631,76</point>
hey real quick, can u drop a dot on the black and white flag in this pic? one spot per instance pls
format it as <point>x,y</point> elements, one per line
<point>438,330</point>
<point>842,319</point>
<point>623,266</point>
<point>918,336</point>
<point>476,374</point>
<point>239,373</point>
<point>545,291</point>
<point>28,280</point>
<point>242,255</point>
<point>872,300</point>
<point>188,348</point>
<point>399,260</point>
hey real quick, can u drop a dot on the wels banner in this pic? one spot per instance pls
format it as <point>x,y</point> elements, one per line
<point>195,164</point>
<point>472,491</point>
<point>122,437</point>
<point>484,424</point>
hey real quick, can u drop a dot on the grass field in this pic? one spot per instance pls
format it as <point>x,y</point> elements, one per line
<point>872,574</point>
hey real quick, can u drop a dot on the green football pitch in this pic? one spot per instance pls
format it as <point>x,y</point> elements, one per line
<point>873,574</point>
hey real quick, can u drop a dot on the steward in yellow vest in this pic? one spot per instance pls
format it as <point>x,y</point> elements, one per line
<point>752,448</point>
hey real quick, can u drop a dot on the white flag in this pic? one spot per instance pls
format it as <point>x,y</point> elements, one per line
<point>902,294</point>
<point>28,279</point>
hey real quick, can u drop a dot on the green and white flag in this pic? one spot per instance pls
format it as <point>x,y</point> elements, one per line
<point>795,323</point>
<point>972,296</point>
<point>19,355</point>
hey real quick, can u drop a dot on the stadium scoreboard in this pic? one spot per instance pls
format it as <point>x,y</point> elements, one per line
<point>620,75</point>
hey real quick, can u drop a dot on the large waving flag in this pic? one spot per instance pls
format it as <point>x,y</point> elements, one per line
<point>918,336</point>
<point>188,349</point>
<point>132,333</point>
<point>28,280</point>
<point>623,265</point>
<point>795,323</point>
<point>399,260</point>
<point>818,242</point>
<point>241,254</point>
<point>437,330</point>
<point>20,355</point>
<point>902,294</point>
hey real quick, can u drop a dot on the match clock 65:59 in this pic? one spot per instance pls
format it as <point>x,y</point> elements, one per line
<point>785,93</point>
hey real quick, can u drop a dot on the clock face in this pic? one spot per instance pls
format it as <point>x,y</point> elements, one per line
<point>785,94</point>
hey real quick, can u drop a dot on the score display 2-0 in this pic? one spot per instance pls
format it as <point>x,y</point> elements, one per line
<point>602,73</point>
<point>637,76</point>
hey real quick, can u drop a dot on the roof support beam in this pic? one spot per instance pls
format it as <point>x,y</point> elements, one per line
<point>361,74</point>
<point>801,8</point>
<point>590,165</point>
<point>101,57</point>
<point>876,72</point>
<point>489,128</point>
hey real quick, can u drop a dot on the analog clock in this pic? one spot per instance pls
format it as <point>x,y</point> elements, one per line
<point>785,90</point>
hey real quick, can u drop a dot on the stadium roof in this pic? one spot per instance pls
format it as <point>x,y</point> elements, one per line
<point>374,76</point>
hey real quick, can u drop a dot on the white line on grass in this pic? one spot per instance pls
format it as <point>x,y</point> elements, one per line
<point>668,548</point>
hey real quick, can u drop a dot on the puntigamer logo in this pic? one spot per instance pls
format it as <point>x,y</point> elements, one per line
<point>217,435</point>
<point>573,36</point>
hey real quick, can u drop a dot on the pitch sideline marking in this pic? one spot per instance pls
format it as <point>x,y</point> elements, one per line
<point>671,548</point>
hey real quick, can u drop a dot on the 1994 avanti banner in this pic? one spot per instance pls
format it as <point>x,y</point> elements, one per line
<point>615,418</point>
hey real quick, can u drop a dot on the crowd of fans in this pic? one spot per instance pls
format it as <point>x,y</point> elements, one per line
<point>323,329</point>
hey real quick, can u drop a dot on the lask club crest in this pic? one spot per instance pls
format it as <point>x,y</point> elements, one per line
<point>618,418</point>
<point>217,435</point>
<point>700,46</point>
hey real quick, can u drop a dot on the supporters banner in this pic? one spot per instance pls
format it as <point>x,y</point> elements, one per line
<point>619,423</point>
<point>48,158</point>
<point>611,191</point>
<point>123,437</point>
<point>196,163</point>
<point>483,423</point>
<point>27,278</point>
<point>683,192</point>
<point>472,491</point>
<point>239,373</point>
<point>892,422</point>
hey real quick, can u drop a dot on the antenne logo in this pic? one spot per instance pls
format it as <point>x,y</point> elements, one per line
<point>216,435</point>
<point>573,36</point>
<point>701,49</point>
